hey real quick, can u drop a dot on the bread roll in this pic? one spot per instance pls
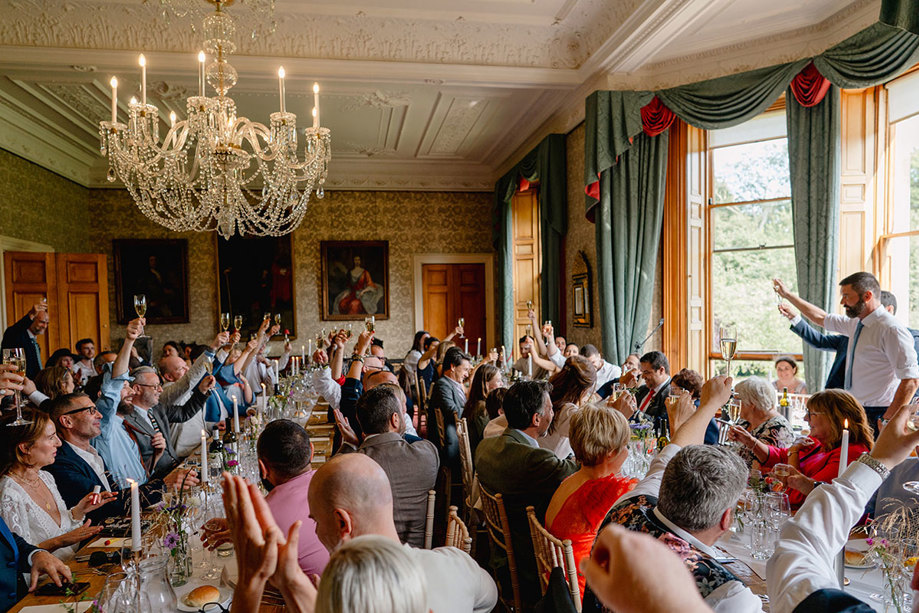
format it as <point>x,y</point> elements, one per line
<point>200,596</point>
<point>855,558</point>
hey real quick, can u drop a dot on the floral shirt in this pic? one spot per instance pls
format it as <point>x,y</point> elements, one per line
<point>774,432</point>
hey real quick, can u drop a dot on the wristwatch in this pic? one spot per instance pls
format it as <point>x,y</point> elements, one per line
<point>874,465</point>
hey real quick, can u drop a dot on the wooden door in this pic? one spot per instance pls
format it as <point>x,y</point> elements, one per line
<point>30,276</point>
<point>76,286</point>
<point>452,291</point>
<point>527,260</point>
<point>82,290</point>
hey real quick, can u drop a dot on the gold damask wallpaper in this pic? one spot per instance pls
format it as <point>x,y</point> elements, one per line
<point>40,206</point>
<point>412,222</point>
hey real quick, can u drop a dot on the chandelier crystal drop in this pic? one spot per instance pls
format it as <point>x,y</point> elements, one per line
<point>215,170</point>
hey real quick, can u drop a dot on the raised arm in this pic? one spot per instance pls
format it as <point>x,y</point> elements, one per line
<point>715,393</point>
<point>336,363</point>
<point>537,332</point>
<point>123,359</point>
<point>811,311</point>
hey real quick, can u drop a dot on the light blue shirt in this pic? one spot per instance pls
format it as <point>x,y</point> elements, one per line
<point>114,444</point>
<point>529,439</point>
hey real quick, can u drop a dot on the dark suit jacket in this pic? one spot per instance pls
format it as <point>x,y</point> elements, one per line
<point>143,433</point>
<point>14,561</point>
<point>656,410</point>
<point>75,478</point>
<point>827,342</point>
<point>446,398</point>
<point>524,476</point>
<point>412,471</point>
<point>17,335</point>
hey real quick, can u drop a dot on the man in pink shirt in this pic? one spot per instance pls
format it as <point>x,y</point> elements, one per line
<point>284,454</point>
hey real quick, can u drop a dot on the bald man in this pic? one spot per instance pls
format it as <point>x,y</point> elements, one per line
<point>350,496</point>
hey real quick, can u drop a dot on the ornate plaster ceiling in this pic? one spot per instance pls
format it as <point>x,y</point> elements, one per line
<point>419,94</point>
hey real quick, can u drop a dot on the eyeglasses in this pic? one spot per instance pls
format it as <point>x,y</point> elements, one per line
<point>81,409</point>
<point>153,385</point>
<point>808,413</point>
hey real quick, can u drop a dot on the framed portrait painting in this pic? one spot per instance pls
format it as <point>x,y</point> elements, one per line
<point>256,277</point>
<point>354,279</point>
<point>156,268</point>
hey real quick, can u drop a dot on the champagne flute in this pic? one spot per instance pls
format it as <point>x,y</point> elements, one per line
<point>237,322</point>
<point>728,345</point>
<point>349,332</point>
<point>140,304</point>
<point>16,356</point>
<point>370,323</point>
<point>672,400</point>
<point>461,322</point>
<point>529,305</point>
<point>734,406</point>
<point>224,321</point>
<point>277,318</point>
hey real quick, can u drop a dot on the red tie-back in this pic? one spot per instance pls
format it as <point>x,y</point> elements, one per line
<point>809,86</point>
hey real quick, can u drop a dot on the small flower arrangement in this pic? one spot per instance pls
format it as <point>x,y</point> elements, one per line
<point>171,521</point>
<point>892,545</point>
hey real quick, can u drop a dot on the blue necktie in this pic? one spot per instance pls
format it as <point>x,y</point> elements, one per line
<point>858,331</point>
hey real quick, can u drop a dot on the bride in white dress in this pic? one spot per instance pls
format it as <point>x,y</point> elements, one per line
<point>29,500</point>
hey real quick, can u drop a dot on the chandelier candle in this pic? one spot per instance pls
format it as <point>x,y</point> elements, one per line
<point>114,83</point>
<point>201,59</point>
<point>315,105</point>
<point>281,87</point>
<point>143,79</point>
<point>172,119</point>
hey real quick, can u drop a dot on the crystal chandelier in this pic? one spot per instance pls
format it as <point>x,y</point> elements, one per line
<point>216,170</point>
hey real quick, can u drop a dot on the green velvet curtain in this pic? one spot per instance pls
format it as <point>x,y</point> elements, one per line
<point>814,154</point>
<point>628,229</point>
<point>901,13</point>
<point>546,163</point>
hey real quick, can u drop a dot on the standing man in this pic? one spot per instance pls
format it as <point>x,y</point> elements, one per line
<point>881,369</point>
<point>86,351</point>
<point>24,333</point>
<point>448,397</point>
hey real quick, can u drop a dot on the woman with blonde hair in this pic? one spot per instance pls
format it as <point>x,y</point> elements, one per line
<point>814,459</point>
<point>572,387</point>
<point>29,499</point>
<point>600,439</point>
<point>54,381</point>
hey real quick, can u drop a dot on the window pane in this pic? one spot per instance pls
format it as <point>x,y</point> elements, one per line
<point>754,171</point>
<point>903,252</point>
<point>741,369</point>
<point>742,295</point>
<point>752,225</point>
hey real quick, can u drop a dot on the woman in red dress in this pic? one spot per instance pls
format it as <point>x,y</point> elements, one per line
<point>599,438</point>
<point>362,292</point>
<point>814,459</point>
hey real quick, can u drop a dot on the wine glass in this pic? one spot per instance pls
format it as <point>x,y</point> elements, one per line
<point>529,305</point>
<point>728,336</point>
<point>224,321</point>
<point>140,304</point>
<point>237,322</point>
<point>370,323</point>
<point>16,356</point>
<point>349,332</point>
<point>277,318</point>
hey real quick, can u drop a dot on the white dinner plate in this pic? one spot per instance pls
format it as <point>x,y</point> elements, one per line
<point>226,594</point>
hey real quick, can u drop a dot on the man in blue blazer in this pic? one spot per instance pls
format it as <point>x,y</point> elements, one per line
<point>24,334</point>
<point>825,342</point>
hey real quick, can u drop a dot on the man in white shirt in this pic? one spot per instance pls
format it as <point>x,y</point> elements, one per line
<point>687,500</point>
<point>84,369</point>
<point>881,368</point>
<point>350,496</point>
<point>605,370</point>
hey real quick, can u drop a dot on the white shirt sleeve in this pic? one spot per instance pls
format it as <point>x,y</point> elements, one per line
<point>803,558</point>
<point>558,359</point>
<point>840,324</point>
<point>328,389</point>
<point>734,597</point>
<point>411,360</point>
<point>901,352</point>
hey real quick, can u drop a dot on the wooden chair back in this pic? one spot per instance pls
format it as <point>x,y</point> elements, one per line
<point>468,472</point>
<point>499,534</point>
<point>439,439</point>
<point>457,533</point>
<point>429,520</point>
<point>551,552</point>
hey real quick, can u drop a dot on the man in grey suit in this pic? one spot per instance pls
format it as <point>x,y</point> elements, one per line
<point>410,467</point>
<point>448,396</point>
<point>149,422</point>
<point>515,466</point>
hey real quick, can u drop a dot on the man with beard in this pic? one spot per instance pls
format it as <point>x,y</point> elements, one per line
<point>881,370</point>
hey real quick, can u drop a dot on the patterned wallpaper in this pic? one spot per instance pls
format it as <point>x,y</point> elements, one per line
<point>40,206</point>
<point>412,222</point>
<point>581,237</point>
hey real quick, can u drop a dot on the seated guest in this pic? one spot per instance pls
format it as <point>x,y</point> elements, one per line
<point>570,350</point>
<point>758,416</point>
<point>410,467</point>
<point>572,386</point>
<point>655,388</point>
<point>411,359</point>
<point>284,455</point>
<point>171,348</point>
<point>448,397</point>
<point>494,406</point>
<point>60,357</point>
<point>687,500</point>
<point>515,466</point>
<point>548,357</point>
<point>78,467</point>
<point>787,369</point>
<point>690,381</point>
<point>30,503</point>
<point>54,381</point>
<point>149,422</point>
<point>605,371</point>
<point>561,343</point>
<point>487,378</point>
<point>632,362</point>
<point>815,459</point>
<point>106,357</point>
<point>599,438</point>
<point>372,574</point>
